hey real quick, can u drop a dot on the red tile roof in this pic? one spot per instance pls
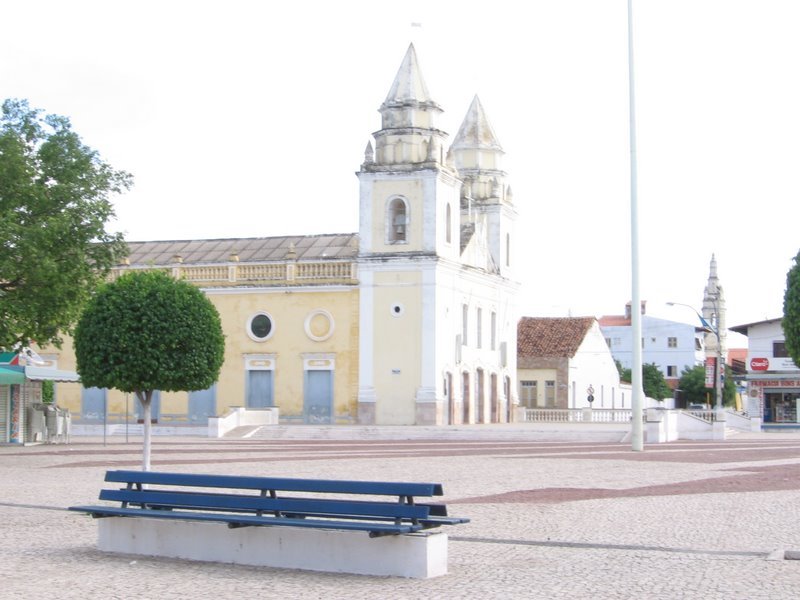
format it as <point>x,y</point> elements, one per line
<point>551,337</point>
<point>614,321</point>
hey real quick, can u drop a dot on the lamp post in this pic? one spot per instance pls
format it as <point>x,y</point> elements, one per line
<point>718,366</point>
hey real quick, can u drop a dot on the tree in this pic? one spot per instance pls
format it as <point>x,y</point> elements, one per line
<point>54,207</point>
<point>623,372</point>
<point>147,331</point>
<point>791,311</point>
<point>653,382</point>
<point>693,385</point>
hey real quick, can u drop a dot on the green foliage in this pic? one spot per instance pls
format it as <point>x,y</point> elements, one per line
<point>147,331</point>
<point>791,311</point>
<point>693,385</point>
<point>48,391</point>
<point>623,372</point>
<point>653,382</point>
<point>54,206</point>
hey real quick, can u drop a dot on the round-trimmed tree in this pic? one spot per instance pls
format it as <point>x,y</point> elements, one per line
<point>147,331</point>
<point>791,311</point>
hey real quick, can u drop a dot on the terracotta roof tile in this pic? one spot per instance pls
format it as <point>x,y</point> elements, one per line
<point>551,337</point>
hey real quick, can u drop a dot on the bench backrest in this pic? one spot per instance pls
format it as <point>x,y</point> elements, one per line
<point>285,484</point>
<point>266,504</point>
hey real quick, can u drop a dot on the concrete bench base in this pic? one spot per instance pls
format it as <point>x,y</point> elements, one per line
<point>420,555</point>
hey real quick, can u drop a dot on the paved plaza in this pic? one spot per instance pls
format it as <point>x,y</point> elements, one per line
<point>550,518</point>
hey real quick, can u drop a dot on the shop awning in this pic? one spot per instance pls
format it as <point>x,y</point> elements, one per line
<point>45,374</point>
<point>11,375</point>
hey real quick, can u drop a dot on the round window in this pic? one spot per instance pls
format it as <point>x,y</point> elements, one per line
<point>260,327</point>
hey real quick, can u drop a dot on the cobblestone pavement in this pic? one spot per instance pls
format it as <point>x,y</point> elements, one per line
<point>549,519</point>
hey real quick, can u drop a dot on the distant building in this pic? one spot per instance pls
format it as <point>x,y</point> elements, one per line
<point>773,379</point>
<point>671,345</point>
<point>562,362</point>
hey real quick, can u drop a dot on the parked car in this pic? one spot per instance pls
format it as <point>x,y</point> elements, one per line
<point>696,407</point>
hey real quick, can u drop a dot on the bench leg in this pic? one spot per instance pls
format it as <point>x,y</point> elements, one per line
<point>419,556</point>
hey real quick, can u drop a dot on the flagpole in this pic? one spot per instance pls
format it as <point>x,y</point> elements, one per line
<point>637,401</point>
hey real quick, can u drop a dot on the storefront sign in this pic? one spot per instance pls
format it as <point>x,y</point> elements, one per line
<point>774,383</point>
<point>710,363</point>
<point>759,364</point>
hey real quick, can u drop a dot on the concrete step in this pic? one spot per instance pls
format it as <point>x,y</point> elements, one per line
<point>493,432</point>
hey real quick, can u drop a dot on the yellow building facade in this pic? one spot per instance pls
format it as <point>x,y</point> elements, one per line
<point>411,320</point>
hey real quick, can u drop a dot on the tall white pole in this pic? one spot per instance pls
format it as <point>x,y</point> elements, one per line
<point>637,434</point>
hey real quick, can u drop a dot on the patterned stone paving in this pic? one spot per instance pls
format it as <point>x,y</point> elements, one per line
<point>550,519</point>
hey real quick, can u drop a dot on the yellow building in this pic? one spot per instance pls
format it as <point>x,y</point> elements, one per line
<point>412,320</point>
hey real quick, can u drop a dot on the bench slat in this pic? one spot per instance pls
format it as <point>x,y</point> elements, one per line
<point>384,488</point>
<point>248,520</point>
<point>232,502</point>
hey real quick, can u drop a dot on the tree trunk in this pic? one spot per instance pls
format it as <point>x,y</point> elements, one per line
<point>145,397</point>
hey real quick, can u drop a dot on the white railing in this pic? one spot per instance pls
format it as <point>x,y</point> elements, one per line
<point>578,415</point>
<point>705,415</point>
<point>279,273</point>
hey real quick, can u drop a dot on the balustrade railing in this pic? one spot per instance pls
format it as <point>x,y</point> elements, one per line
<point>578,415</point>
<point>285,273</point>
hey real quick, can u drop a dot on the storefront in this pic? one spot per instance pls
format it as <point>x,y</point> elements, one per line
<point>773,380</point>
<point>779,399</point>
<point>24,417</point>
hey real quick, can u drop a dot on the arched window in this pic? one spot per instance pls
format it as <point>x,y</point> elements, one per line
<point>397,221</point>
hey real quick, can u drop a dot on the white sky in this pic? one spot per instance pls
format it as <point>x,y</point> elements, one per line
<point>242,118</point>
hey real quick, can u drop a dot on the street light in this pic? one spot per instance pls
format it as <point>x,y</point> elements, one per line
<point>718,366</point>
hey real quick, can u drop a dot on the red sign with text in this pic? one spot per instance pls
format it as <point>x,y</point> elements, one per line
<point>759,364</point>
<point>711,363</point>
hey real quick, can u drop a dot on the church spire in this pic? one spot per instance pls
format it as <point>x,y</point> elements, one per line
<point>408,86</point>
<point>477,156</point>
<point>408,138</point>
<point>714,310</point>
<point>476,132</point>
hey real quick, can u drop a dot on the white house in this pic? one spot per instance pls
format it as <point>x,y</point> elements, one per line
<point>566,363</point>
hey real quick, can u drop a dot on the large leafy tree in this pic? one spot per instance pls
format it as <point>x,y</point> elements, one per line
<point>54,206</point>
<point>791,311</point>
<point>147,331</point>
<point>693,385</point>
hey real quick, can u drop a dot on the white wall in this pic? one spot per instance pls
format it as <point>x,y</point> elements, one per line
<point>760,337</point>
<point>594,365</point>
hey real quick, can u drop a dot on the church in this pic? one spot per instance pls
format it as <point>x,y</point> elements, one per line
<point>411,320</point>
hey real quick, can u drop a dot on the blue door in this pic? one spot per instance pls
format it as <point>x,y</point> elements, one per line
<point>259,389</point>
<point>93,404</point>
<point>202,405</point>
<point>318,400</point>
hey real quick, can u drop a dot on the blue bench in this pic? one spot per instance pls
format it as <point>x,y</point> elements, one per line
<point>244,501</point>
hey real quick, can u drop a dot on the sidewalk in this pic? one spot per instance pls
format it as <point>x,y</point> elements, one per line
<point>550,518</point>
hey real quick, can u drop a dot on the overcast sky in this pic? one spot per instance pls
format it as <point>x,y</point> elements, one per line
<point>242,118</point>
